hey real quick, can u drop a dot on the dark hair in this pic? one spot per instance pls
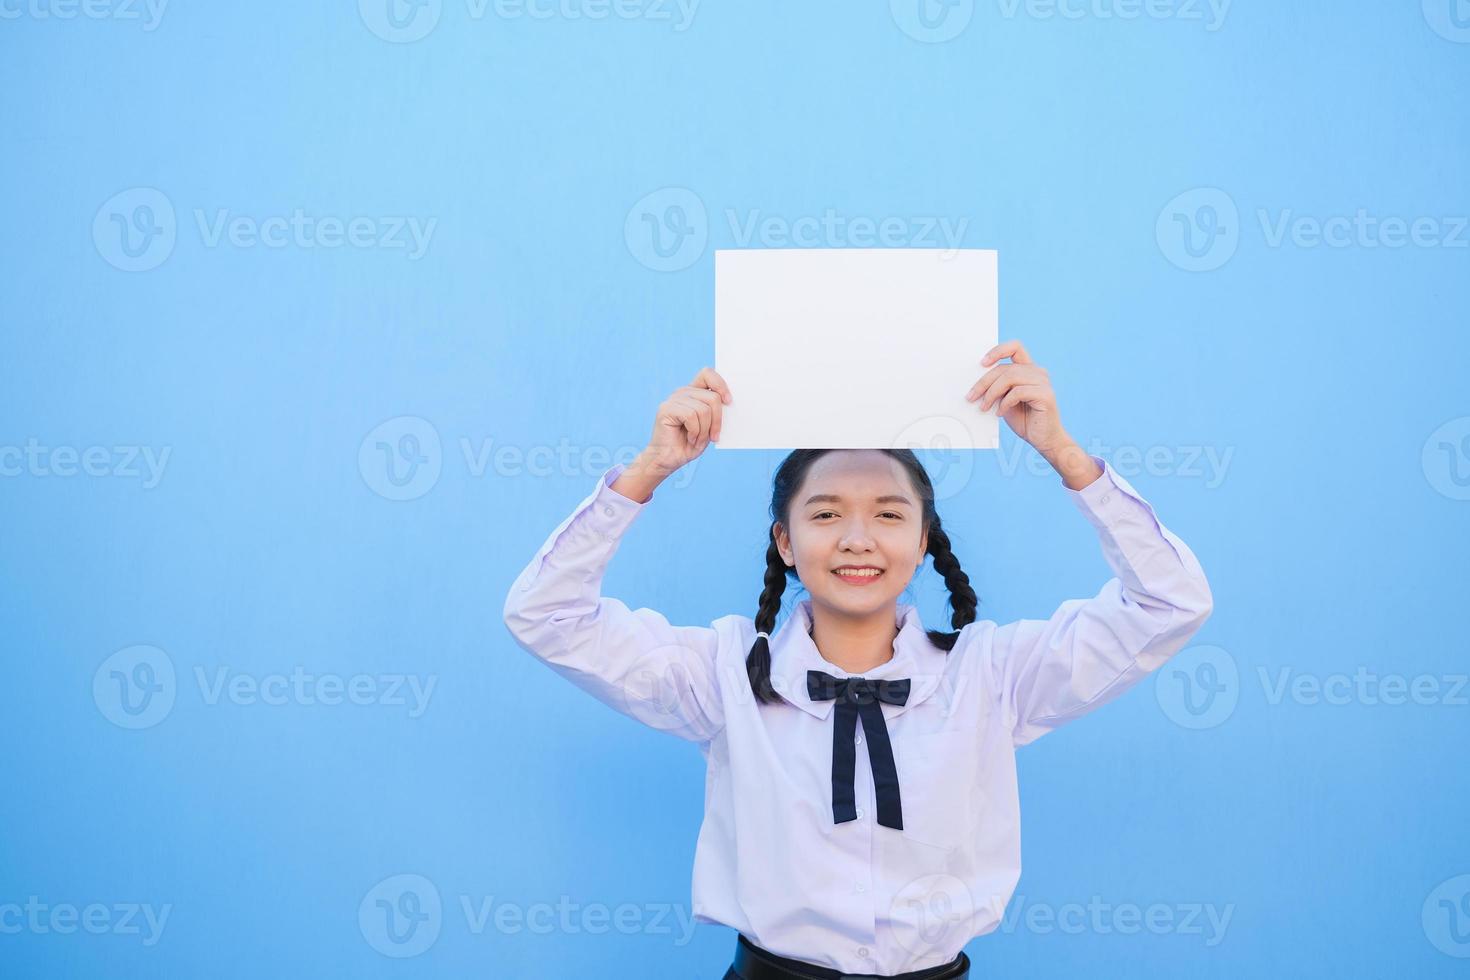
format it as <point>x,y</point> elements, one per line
<point>789,475</point>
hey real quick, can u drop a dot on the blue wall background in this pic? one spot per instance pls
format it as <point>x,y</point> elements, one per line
<point>171,633</point>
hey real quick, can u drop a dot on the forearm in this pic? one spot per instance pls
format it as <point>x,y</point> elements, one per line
<point>638,481</point>
<point>1072,463</point>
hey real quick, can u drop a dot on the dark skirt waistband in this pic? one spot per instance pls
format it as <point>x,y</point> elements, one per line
<point>753,962</point>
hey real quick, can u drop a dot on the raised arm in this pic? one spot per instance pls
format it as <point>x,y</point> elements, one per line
<point>630,659</point>
<point>1047,672</point>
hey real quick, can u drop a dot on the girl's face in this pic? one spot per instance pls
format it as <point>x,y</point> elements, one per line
<point>855,509</point>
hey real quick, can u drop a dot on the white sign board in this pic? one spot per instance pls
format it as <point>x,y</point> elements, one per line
<point>868,348</point>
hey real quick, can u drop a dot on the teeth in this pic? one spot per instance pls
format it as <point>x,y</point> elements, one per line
<point>854,573</point>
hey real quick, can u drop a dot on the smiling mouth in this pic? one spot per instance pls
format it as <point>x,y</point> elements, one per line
<point>853,577</point>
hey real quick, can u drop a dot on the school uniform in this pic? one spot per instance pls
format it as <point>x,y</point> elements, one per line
<point>869,824</point>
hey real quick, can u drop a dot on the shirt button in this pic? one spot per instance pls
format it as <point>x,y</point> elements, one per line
<point>862,951</point>
<point>860,813</point>
<point>860,740</point>
<point>1107,497</point>
<point>609,511</point>
<point>862,887</point>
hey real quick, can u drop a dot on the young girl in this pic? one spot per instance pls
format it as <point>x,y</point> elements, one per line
<point>861,811</point>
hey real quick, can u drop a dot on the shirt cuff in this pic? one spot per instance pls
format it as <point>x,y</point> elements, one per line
<point>609,512</point>
<point>1104,499</point>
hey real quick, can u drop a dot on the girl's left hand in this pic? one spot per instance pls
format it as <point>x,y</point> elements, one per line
<point>1025,396</point>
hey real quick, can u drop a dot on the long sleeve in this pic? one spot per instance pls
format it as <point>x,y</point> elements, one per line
<point>632,660</point>
<point>1090,651</point>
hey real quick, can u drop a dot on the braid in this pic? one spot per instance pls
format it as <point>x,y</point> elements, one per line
<point>758,662</point>
<point>962,596</point>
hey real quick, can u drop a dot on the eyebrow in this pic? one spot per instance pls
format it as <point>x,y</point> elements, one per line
<point>832,498</point>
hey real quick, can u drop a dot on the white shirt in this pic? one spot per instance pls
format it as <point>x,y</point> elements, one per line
<point>858,896</point>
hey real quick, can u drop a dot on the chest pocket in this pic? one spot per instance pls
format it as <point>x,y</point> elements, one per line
<point>936,777</point>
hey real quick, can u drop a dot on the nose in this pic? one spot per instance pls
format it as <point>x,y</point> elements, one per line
<point>855,537</point>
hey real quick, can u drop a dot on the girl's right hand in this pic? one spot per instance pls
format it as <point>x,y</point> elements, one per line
<point>687,422</point>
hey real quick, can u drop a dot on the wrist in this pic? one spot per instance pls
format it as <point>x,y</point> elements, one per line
<point>1072,463</point>
<point>640,478</point>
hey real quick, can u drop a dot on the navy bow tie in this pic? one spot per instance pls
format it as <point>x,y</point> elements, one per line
<point>860,696</point>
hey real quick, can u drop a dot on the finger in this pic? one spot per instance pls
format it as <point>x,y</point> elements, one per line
<point>1023,394</point>
<point>1011,349</point>
<point>700,415</point>
<point>997,390</point>
<point>710,378</point>
<point>711,399</point>
<point>1024,373</point>
<point>987,379</point>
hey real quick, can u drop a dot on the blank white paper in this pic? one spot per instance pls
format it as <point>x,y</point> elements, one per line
<point>855,348</point>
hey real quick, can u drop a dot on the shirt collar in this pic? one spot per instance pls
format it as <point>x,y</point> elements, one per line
<point>793,653</point>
